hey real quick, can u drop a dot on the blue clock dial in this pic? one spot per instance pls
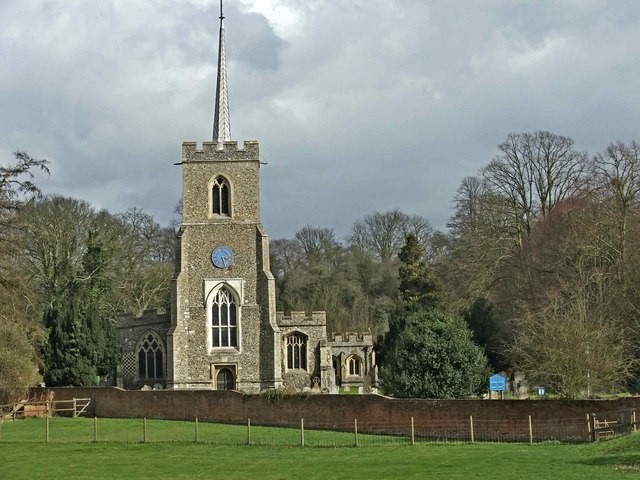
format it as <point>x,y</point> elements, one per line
<point>222,257</point>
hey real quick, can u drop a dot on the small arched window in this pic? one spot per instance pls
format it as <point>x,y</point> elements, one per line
<point>224,320</point>
<point>220,196</point>
<point>296,351</point>
<point>354,365</point>
<point>150,358</point>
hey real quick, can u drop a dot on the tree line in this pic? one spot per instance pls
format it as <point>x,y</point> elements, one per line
<point>538,272</point>
<point>541,259</point>
<point>66,271</point>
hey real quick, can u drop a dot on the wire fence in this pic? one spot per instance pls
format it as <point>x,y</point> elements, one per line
<point>361,433</point>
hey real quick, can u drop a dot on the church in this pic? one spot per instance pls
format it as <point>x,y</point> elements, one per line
<point>223,331</point>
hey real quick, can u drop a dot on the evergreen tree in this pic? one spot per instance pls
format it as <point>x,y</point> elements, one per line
<point>434,357</point>
<point>428,353</point>
<point>482,320</point>
<point>82,344</point>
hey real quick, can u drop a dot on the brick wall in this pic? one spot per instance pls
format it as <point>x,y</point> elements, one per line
<point>509,418</point>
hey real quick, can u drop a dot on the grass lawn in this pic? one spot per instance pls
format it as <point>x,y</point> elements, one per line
<point>72,455</point>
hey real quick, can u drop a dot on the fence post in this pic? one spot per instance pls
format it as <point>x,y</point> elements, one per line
<point>196,439</point>
<point>95,429</point>
<point>633,419</point>
<point>302,432</point>
<point>530,432</point>
<point>473,439</point>
<point>592,426</point>
<point>1,422</point>
<point>144,430</point>
<point>589,426</point>
<point>46,429</point>
<point>248,431</point>
<point>413,433</point>
<point>355,430</point>
<point>75,407</point>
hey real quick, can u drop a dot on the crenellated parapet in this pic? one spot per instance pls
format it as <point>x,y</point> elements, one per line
<point>363,339</point>
<point>299,318</point>
<point>148,317</point>
<point>220,151</point>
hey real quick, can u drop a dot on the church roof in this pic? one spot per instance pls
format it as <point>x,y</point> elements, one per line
<point>221,120</point>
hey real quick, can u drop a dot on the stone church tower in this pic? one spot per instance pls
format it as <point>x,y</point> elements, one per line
<point>223,325</point>
<point>222,331</point>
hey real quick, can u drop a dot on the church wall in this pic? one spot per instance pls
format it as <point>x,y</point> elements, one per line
<point>129,331</point>
<point>314,327</point>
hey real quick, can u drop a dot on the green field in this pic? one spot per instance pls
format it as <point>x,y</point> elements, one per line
<point>223,453</point>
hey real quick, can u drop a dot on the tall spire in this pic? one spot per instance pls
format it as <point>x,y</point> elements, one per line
<point>221,121</point>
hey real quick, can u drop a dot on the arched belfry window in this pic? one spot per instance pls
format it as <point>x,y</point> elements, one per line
<point>354,365</point>
<point>220,197</point>
<point>296,351</point>
<point>224,320</point>
<point>150,357</point>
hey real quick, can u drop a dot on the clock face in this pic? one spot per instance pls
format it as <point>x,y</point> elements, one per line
<point>222,256</point>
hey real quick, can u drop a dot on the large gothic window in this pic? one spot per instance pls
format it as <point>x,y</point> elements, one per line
<point>150,358</point>
<point>224,320</point>
<point>296,351</point>
<point>220,197</point>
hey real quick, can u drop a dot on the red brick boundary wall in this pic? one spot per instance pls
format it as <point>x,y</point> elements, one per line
<point>505,419</point>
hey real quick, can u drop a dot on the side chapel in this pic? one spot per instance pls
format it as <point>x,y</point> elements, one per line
<point>222,331</point>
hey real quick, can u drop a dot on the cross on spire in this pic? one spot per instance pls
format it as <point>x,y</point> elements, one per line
<point>221,121</point>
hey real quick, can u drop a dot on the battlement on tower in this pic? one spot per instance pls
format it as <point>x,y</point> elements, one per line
<point>220,152</point>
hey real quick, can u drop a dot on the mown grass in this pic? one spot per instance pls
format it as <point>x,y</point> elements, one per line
<point>120,454</point>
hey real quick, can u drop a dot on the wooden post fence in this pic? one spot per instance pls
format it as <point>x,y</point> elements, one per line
<point>46,429</point>
<point>355,430</point>
<point>197,436</point>
<point>473,440</point>
<point>302,432</point>
<point>248,431</point>
<point>95,429</point>
<point>530,431</point>
<point>144,430</point>
<point>413,433</point>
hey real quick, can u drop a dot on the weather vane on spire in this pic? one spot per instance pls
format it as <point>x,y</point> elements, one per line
<point>221,121</point>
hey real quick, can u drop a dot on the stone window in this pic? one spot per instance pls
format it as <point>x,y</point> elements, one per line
<point>224,320</point>
<point>296,351</point>
<point>150,358</point>
<point>354,364</point>
<point>220,197</point>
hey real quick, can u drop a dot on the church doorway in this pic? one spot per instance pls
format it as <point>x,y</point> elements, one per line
<point>225,380</point>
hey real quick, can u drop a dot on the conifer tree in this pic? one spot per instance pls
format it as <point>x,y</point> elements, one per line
<point>428,353</point>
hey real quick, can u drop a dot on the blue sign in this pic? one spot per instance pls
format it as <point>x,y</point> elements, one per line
<point>497,383</point>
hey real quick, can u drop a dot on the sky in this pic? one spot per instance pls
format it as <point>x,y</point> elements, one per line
<point>359,105</point>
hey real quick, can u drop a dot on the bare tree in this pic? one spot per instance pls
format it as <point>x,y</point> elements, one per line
<point>382,234</point>
<point>535,172</point>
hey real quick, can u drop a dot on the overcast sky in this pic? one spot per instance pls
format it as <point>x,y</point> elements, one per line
<point>358,105</point>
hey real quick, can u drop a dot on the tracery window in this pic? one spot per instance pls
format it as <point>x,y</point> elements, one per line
<point>296,351</point>
<point>355,365</point>
<point>150,358</point>
<point>224,320</point>
<point>220,197</point>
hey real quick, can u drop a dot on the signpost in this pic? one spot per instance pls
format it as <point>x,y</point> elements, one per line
<point>497,383</point>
